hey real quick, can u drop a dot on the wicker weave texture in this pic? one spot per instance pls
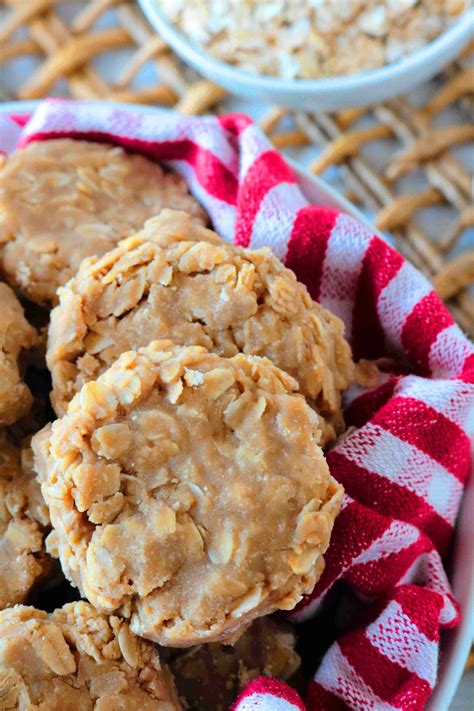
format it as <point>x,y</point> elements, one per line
<point>65,44</point>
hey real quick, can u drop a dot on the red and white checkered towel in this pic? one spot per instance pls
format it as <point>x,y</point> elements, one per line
<point>405,465</point>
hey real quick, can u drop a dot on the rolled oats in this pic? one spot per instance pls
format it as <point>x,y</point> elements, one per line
<point>59,204</point>
<point>185,546</point>
<point>308,39</point>
<point>76,658</point>
<point>265,312</point>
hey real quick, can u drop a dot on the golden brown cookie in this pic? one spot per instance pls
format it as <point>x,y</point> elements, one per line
<point>24,521</point>
<point>76,659</point>
<point>179,280</point>
<point>63,200</point>
<point>16,335</point>
<point>188,491</point>
<point>211,676</point>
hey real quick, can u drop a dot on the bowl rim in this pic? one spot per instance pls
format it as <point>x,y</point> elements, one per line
<point>197,56</point>
<point>458,645</point>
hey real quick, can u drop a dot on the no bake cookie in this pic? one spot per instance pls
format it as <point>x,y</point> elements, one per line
<point>176,279</point>
<point>16,335</point>
<point>62,200</point>
<point>24,521</point>
<point>188,491</point>
<point>76,659</point>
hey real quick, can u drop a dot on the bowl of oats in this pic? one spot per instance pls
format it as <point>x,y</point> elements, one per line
<point>310,54</point>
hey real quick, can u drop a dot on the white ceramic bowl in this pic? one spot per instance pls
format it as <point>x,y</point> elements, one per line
<point>323,94</point>
<point>457,642</point>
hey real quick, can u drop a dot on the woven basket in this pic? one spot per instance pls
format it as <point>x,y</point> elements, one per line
<point>68,42</point>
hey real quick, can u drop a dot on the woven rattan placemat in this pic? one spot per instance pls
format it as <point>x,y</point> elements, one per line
<point>396,160</point>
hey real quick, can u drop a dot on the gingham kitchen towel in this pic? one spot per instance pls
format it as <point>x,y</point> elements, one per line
<point>404,464</point>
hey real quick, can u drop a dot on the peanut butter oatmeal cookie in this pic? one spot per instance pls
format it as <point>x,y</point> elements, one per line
<point>16,334</point>
<point>176,279</point>
<point>76,659</point>
<point>188,491</point>
<point>24,520</point>
<point>266,649</point>
<point>63,200</point>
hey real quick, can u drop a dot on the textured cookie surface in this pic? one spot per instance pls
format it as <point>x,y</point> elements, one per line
<point>178,280</point>
<point>23,522</point>
<point>211,676</point>
<point>189,491</point>
<point>63,200</point>
<point>16,335</point>
<point>76,659</point>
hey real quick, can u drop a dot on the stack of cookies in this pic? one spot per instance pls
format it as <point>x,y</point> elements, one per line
<point>179,483</point>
